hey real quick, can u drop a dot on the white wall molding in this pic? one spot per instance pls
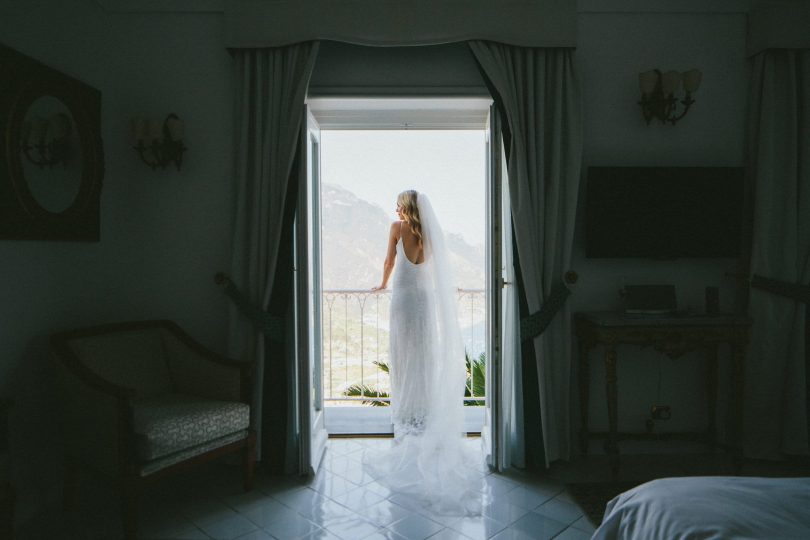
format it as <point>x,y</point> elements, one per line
<point>162,6</point>
<point>583,6</point>
<point>664,6</point>
<point>401,113</point>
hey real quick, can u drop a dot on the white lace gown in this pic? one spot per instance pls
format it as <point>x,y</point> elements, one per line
<point>411,333</point>
<point>430,460</point>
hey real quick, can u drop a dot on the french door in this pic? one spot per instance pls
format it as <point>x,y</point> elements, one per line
<point>310,415</point>
<point>313,435</point>
<point>494,281</point>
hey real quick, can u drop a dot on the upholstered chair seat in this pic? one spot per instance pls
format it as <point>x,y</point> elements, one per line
<point>141,400</point>
<point>171,423</point>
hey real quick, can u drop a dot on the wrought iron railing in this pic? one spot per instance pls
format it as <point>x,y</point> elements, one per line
<point>355,343</point>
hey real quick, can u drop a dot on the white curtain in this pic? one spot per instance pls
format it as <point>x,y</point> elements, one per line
<point>270,90</point>
<point>538,91</point>
<point>779,154</point>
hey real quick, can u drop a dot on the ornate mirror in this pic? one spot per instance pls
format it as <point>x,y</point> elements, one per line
<point>51,162</point>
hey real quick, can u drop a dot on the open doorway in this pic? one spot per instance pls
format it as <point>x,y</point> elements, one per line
<point>369,151</point>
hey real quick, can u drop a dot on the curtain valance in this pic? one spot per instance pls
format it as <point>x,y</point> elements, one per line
<point>528,23</point>
<point>778,25</point>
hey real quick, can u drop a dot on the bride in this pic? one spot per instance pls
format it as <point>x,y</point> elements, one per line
<point>429,459</point>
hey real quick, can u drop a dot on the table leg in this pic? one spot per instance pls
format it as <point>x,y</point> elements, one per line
<point>738,384</point>
<point>612,446</point>
<point>584,390</point>
<point>711,392</point>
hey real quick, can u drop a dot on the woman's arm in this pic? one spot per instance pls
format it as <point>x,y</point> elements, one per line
<point>390,256</point>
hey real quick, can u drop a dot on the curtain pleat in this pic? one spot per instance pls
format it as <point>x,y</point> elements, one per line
<point>271,87</point>
<point>779,165</point>
<point>538,91</point>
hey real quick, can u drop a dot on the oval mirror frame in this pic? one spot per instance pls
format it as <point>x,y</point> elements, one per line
<point>22,216</point>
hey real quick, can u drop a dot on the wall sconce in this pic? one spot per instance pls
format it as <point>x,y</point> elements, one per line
<point>658,94</point>
<point>159,143</point>
<point>46,142</point>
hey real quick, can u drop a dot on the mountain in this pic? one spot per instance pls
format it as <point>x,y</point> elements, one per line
<point>354,238</point>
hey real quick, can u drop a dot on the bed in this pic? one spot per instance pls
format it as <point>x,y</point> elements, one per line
<point>709,507</point>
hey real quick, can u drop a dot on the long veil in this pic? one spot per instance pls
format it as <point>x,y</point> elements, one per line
<point>436,465</point>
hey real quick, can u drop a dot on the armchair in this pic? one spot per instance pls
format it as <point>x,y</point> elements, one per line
<point>142,400</point>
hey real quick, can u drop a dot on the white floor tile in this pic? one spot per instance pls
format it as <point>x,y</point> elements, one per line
<point>497,485</point>
<point>513,534</point>
<point>385,513</point>
<point>584,524</point>
<point>303,501</point>
<point>291,528</point>
<point>478,528</point>
<point>384,534</point>
<point>561,511</point>
<point>441,519</point>
<point>359,499</point>
<point>340,465</point>
<point>415,527</point>
<point>269,511</point>
<point>256,535</point>
<point>538,526</point>
<point>379,489</point>
<point>330,511</point>
<point>448,534</point>
<point>245,501</point>
<point>321,534</point>
<point>350,527</point>
<point>504,512</point>
<point>409,502</point>
<point>206,511</point>
<point>229,528</point>
<point>525,498</point>
<point>332,485</point>
<point>572,534</point>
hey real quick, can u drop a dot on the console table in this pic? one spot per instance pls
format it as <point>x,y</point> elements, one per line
<point>673,336</point>
<point>6,492</point>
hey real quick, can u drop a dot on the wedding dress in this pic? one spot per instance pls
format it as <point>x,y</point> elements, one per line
<point>430,459</point>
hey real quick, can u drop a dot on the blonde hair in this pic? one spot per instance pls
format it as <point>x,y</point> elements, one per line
<point>407,201</point>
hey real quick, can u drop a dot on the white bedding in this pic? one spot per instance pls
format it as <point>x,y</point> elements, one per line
<point>708,507</point>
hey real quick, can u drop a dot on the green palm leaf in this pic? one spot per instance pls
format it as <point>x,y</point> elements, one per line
<point>382,365</point>
<point>476,378</point>
<point>362,390</point>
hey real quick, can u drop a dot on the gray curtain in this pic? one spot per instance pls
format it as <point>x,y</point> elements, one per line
<point>537,91</point>
<point>779,161</point>
<point>271,86</point>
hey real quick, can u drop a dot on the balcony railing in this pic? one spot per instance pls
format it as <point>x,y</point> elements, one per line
<point>355,343</point>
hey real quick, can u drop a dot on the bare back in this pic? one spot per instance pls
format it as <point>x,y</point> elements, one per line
<point>410,244</point>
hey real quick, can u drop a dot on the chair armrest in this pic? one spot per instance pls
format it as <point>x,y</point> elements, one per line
<point>67,359</point>
<point>198,371</point>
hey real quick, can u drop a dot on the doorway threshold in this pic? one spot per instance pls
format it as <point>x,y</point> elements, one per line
<point>376,421</point>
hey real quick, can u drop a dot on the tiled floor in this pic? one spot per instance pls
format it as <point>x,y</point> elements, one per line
<point>341,502</point>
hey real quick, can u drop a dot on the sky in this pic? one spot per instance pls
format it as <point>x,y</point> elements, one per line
<point>448,166</point>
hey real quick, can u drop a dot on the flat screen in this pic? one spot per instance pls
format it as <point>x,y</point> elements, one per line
<point>663,212</point>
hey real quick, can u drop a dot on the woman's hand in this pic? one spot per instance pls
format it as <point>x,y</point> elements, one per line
<point>378,288</point>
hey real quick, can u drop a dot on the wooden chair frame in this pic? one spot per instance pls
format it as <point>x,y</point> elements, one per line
<point>129,481</point>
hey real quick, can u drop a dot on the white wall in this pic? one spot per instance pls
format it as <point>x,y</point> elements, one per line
<point>613,48</point>
<point>163,234</point>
